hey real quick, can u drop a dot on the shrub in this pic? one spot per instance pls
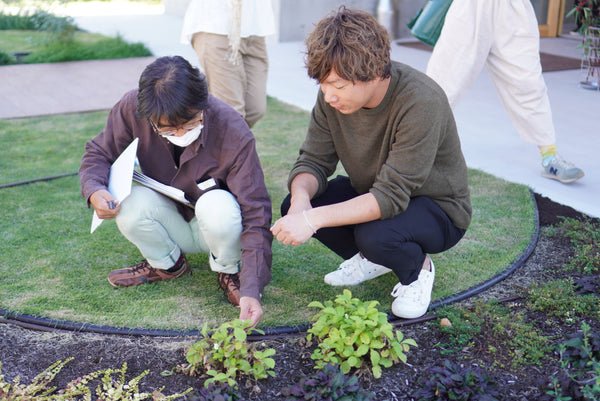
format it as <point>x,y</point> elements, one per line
<point>110,48</point>
<point>579,378</point>
<point>350,331</point>
<point>496,326</point>
<point>216,392</point>
<point>6,59</point>
<point>585,237</point>
<point>454,383</point>
<point>225,353</point>
<point>328,384</point>
<point>558,298</point>
<point>58,28</point>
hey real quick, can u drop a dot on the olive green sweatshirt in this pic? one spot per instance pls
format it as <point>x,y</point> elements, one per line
<point>407,146</point>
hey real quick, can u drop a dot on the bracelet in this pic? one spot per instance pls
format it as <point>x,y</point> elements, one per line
<point>308,222</point>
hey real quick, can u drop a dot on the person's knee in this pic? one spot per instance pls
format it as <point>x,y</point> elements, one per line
<point>218,212</point>
<point>136,206</point>
<point>254,112</point>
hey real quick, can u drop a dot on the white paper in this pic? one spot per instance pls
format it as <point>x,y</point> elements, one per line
<point>119,179</point>
<point>167,190</point>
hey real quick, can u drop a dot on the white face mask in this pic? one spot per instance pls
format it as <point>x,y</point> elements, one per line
<point>186,139</point>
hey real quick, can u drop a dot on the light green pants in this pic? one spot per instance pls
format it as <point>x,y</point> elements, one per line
<point>151,222</point>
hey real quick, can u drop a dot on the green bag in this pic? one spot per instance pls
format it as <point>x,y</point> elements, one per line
<point>427,24</point>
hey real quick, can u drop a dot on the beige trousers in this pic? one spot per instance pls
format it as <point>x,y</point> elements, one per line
<point>502,35</point>
<point>242,86</point>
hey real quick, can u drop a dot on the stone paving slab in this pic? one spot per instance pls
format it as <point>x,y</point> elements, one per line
<point>51,88</point>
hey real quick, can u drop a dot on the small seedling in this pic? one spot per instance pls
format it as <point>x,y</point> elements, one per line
<point>225,353</point>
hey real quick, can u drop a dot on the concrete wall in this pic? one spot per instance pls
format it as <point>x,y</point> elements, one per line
<point>175,7</point>
<point>296,18</point>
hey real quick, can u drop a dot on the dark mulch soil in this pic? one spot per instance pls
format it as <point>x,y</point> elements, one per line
<point>25,352</point>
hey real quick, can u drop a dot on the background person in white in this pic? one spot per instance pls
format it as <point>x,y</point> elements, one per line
<point>503,35</point>
<point>228,37</point>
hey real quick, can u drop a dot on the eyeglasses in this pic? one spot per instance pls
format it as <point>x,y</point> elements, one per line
<point>170,132</point>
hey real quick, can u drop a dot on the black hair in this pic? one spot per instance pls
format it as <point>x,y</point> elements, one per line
<point>172,89</point>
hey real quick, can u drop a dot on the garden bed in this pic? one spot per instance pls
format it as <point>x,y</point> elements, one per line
<point>26,352</point>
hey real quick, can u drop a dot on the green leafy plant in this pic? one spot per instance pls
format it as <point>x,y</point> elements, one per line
<point>497,326</point>
<point>225,353</point>
<point>350,331</point>
<point>579,378</point>
<point>587,13</point>
<point>6,59</point>
<point>585,238</point>
<point>452,382</point>
<point>328,384</point>
<point>559,298</point>
<point>57,28</point>
<point>109,48</point>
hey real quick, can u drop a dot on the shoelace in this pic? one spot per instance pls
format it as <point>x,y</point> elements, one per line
<point>230,280</point>
<point>141,266</point>
<point>563,163</point>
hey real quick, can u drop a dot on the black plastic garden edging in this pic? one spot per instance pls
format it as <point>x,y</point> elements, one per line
<point>45,324</point>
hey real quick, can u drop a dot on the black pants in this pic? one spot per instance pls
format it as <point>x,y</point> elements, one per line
<point>399,243</point>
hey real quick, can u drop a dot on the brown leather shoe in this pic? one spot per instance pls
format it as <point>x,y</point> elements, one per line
<point>230,284</point>
<point>143,273</point>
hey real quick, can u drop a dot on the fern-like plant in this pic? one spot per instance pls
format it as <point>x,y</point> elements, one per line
<point>78,389</point>
<point>350,332</point>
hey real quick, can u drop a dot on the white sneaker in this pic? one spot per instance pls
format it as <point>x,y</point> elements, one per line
<point>354,271</point>
<point>413,300</point>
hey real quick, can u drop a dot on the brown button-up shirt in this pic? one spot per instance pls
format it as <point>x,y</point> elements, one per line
<point>225,151</point>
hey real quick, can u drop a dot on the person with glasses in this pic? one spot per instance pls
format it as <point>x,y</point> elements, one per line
<point>190,140</point>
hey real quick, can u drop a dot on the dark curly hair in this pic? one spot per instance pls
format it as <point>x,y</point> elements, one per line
<point>350,42</point>
<point>172,88</point>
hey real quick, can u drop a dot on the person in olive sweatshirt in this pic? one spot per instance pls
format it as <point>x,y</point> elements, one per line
<point>406,194</point>
<point>192,141</point>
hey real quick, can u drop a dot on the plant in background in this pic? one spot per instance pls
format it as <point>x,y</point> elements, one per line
<point>579,378</point>
<point>328,384</point>
<point>39,386</point>
<point>216,392</point>
<point>119,390</point>
<point>6,59</point>
<point>585,237</point>
<point>586,13</point>
<point>496,326</point>
<point>559,298</point>
<point>452,382</point>
<point>225,353</point>
<point>350,331</point>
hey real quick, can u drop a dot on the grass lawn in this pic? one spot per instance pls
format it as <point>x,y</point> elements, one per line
<point>13,41</point>
<point>51,266</point>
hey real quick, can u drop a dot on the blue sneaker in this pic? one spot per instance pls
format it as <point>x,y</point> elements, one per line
<point>561,170</point>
